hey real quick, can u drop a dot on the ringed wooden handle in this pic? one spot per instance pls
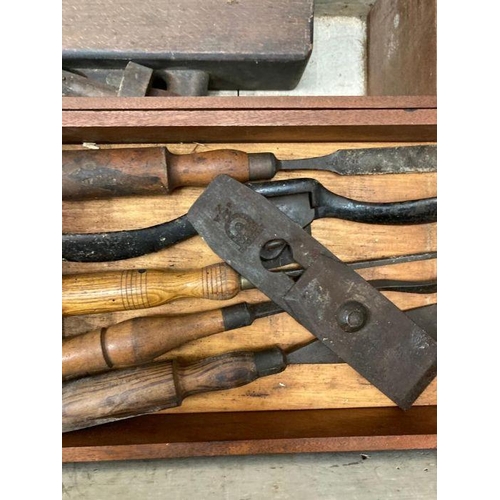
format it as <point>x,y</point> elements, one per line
<point>101,292</point>
<point>106,173</point>
<point>134,342</point>
<point>130,392</point>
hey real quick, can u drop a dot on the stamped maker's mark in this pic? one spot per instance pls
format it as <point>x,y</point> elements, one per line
<point>238,226</point>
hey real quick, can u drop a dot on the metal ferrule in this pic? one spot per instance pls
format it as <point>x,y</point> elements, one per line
<point>261,166</point>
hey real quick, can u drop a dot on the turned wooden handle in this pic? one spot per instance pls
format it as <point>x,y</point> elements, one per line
<point>105,173</point>
<point>130,392</point>
<point>134,342</point>
<point>110,291</point>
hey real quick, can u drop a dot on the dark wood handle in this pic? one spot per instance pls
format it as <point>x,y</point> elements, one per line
<point>130,392</point>
<point>134,342</point>
<point>119,394</point>
<point>105,173</point>
<point>110,291</point>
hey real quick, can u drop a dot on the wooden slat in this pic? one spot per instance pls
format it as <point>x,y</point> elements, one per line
<point>243,433</point>
<point>253,103</point>
<point>247,119</point>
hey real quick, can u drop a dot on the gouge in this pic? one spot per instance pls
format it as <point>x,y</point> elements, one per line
<point>141,340</point>
<point>130,392</point>
<point>109,291</point>
<point>104,173</point>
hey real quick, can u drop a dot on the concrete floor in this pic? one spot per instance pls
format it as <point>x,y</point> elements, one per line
<point>336,67</point>
<point>329,476</point>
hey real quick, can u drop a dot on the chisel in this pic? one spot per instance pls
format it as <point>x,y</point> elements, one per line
<point>110,291</point>
<point>140,340</point>
<point>130,392</point>
<point>105,173</point>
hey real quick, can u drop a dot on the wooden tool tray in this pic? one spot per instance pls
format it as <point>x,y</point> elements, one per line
<point>306,408</point>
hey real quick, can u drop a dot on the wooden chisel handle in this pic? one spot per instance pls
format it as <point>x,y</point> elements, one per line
<point>106,173</point>
<point>130,392</point>
<point>110,291</point>
<point>135,341</point>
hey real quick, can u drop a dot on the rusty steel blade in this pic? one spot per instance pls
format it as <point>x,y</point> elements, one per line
<point>331,300</point>
<point>369,161</point>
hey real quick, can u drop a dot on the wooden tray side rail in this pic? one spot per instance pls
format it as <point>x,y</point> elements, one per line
<point>240,119</point>
<point>244,433</point>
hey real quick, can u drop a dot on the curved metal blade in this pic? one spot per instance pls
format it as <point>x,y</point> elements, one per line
<point>369,161</point>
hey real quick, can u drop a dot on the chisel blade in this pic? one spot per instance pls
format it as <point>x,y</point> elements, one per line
<point>369,161</point>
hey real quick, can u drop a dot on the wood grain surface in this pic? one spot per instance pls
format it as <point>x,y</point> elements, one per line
<point>270,52</point>
<point>299,386</point>
<point>255,103</point>
<point>248,119</point>
<point>242,433</point>
<point>402,55</point>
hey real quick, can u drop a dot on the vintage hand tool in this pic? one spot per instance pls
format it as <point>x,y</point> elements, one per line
<point>105,173</point>
<point>130,392</point>
<point>303,200</point>
<point>331,300</point>
<point>135,80</point>
<point>108,291</point>
<point>140,340</point>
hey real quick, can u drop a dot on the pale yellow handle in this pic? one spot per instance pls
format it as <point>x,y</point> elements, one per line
<point>110,291</point>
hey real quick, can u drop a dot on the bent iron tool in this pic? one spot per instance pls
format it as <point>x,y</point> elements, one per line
<point>331,300</point>
<point>130,392</point>
<point>104,173</point>
<point>303,200</point>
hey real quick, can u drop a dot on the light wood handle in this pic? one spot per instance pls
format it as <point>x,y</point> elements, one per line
<point>110,291</point>
<point>134,342</point>
<point>129,392</point>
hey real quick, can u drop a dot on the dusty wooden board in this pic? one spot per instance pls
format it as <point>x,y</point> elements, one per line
<point>299,386</point>
<point>270,52</point>
<point>402,50</point>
